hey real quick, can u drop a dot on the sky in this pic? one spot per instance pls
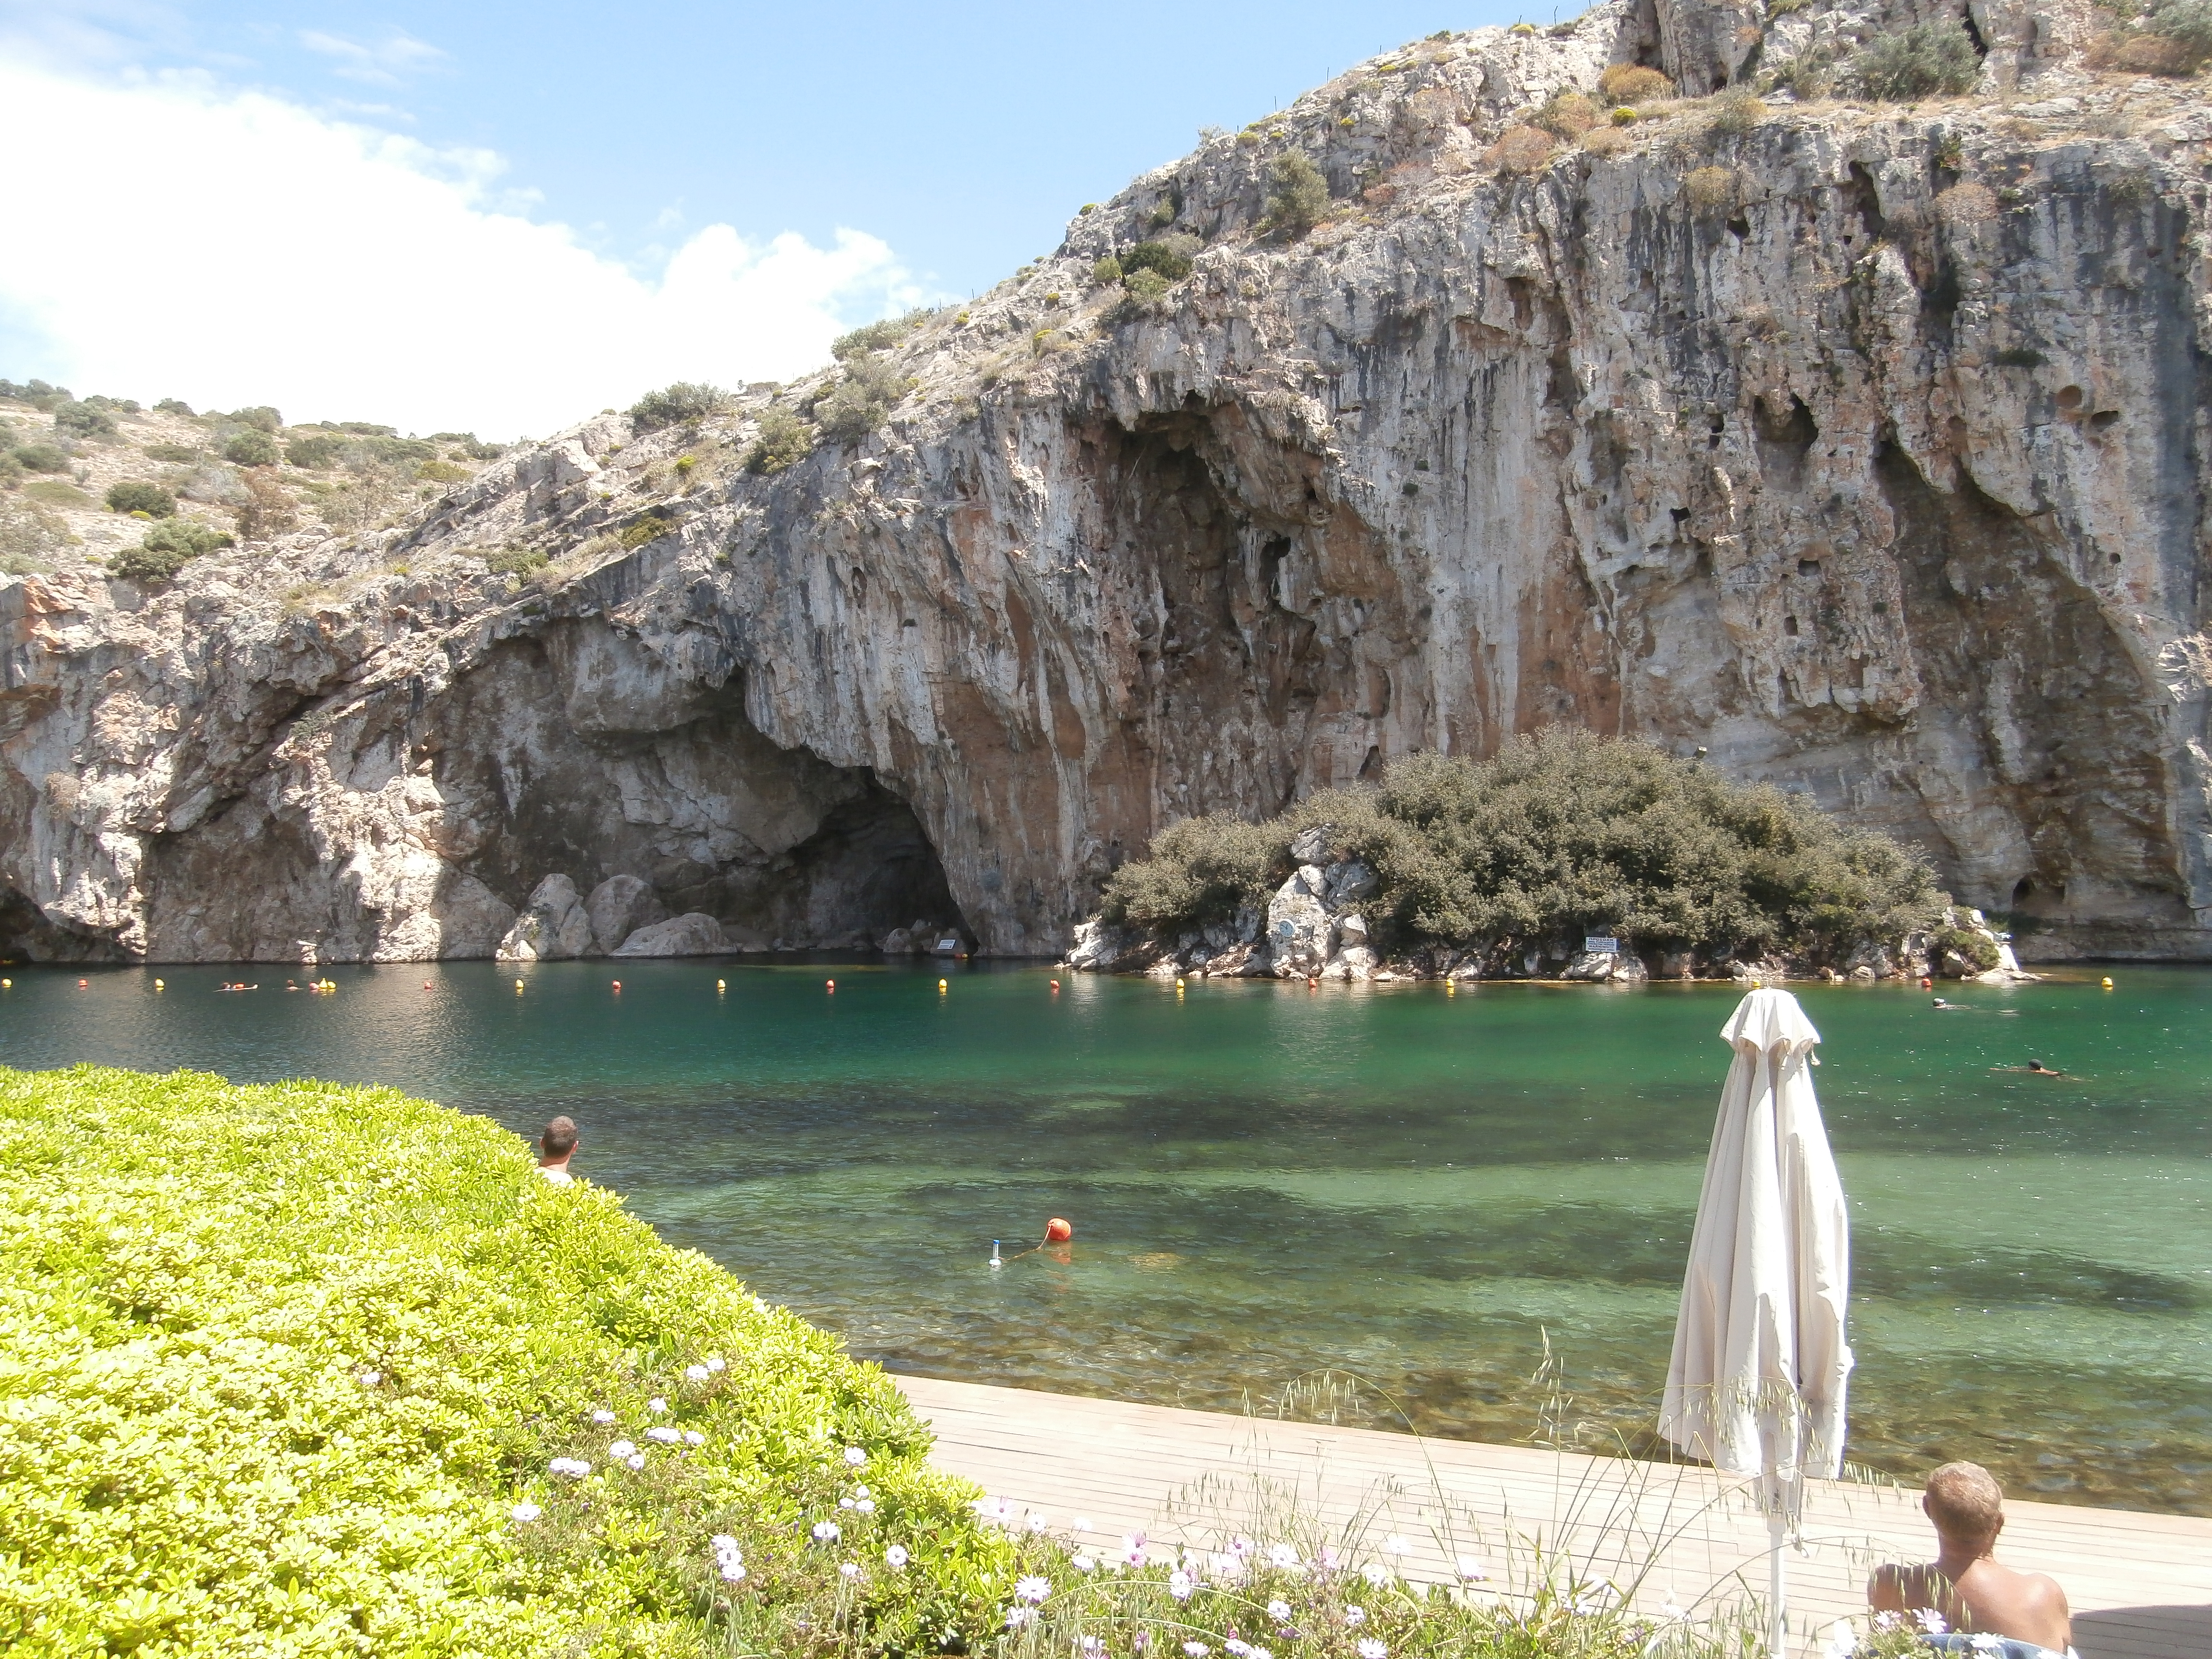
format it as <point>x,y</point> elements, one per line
<point>501,218</point>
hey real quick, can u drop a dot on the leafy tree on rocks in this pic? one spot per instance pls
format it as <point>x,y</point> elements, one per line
<point>1560,835</point>
<point>681,403</point>
<point>135,495</point>
<point>1298,194</point>
<point>251,447</point>
<point>168,548</point>
<point>1928,60</point>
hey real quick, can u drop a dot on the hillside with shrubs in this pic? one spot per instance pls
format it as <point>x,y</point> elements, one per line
<point>104,485</point>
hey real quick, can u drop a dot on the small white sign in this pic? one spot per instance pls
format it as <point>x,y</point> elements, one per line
<point>1599,945</point>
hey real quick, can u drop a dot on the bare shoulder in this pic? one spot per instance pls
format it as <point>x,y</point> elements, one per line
<point>1893,1585</point>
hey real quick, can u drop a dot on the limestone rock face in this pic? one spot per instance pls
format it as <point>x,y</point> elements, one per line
<point>692,934</point>
<point>1872,462</point>
<point>617,907</point>
<point>552,927</point>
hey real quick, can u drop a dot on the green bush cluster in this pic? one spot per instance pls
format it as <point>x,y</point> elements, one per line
<point>1298,194</point>
<point>1561,834</point>
<point>73,419</point>
<point>1977,950</point>
<point>1930,59</point>
<point>1170,257</point>
<point>317,453</point>
<point>300,1369</point>
<point>41,457</point>
<point>780,440</point>
<point>681,403</point>
<point>648,529</point>
<point>515,561</point>
<point>134,495</point>
<point>169,546</point>
<point>861,400</point>
<point>879,336</point>
<point>250,447</point>
<point>259,416</point>
<point>36,392</point>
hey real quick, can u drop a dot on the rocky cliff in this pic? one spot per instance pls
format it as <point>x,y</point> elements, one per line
<point>1859,446</point>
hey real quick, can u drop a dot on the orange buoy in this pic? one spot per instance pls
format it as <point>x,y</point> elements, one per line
<point>426,984</point>
<point>1057,1231</point>
<point>82,983</point>
<point>1926,983</point>
<point>618,985</point>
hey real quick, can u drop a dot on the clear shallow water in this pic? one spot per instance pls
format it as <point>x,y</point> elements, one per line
<point>1266,1181</point>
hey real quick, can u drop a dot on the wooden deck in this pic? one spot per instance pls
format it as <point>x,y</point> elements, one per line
<point>2139,1583</point>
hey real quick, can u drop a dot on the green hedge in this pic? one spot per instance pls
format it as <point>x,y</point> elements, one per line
<point>283,1369</point>
<point>1560,835</point>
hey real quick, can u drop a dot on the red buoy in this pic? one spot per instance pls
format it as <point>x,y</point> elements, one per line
<point>1926,983</point>
<point>831,983</point>
<point>82,983</point>
<point>1057,1231</point>
<point>618,985</point>
<point>1055,985</point>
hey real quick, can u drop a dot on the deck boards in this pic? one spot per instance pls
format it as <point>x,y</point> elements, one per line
<point>2139,1583</point>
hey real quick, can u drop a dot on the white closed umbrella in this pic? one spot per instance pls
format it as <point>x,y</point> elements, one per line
<point>1756,1384</point>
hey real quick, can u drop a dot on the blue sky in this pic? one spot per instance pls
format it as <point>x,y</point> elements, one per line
<point>954,141</point>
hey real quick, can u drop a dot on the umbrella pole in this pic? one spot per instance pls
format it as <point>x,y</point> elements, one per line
<point>1777,1616</point>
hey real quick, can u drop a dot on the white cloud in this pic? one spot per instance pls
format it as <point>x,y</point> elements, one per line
<point>379,65</point>
<point>232,248</point>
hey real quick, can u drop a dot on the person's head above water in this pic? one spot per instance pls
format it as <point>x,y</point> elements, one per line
<point>558,1140</point>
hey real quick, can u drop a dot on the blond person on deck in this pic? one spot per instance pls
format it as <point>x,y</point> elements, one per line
<point>556,1147</point>
<point>1963,1597</point>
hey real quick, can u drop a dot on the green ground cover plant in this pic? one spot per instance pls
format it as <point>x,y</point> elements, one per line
<point>1561,834</point>
<point>308,1370</point>
<point>682,403</point>
<point>1928,60</point>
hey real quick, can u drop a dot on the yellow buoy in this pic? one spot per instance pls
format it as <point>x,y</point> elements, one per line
<point>1178,984</point>
<point>718,985</point>
<point>941,986</point>
<point>1451,988</point>
<point>518,987</point>
<point>7,984</point>
<point>160,985</point>
<point>2108,984</point>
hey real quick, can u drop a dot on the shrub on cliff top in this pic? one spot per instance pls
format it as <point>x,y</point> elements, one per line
<point>1928,60</point>
<point>1561,834</point>
<point>303,1370</point>
<point>169,546</point>
<point>681,403</point>
<point>780,439</point>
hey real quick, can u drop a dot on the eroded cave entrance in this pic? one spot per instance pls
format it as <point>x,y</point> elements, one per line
<point>673,783</point>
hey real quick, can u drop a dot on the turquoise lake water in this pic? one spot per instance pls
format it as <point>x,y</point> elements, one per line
<point>1267,1181</point>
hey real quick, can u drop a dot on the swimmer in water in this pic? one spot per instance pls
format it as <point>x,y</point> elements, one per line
<point>1961,1008</point>
<point>2034,1065</point>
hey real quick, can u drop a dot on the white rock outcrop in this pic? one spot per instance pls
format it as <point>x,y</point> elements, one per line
<point>619,907</point>
<point>552,927</point>
<point>694,933</point>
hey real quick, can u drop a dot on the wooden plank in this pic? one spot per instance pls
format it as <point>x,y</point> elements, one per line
<point>1659,1534</point>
